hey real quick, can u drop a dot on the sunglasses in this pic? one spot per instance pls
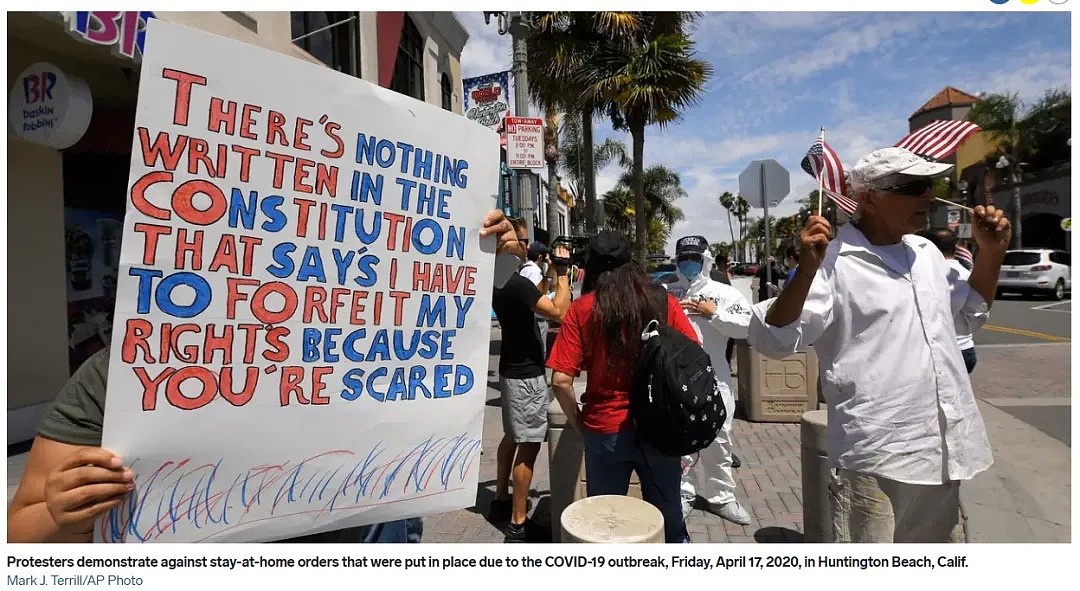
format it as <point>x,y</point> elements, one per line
<point>912,189</point>
<point>697,258</point>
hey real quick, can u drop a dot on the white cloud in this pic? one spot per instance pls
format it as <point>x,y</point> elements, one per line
<point>486,51</point>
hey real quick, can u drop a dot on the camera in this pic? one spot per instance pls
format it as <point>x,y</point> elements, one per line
<point>578,247</point>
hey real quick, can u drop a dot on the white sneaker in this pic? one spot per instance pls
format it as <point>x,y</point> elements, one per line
<point>732,511</point>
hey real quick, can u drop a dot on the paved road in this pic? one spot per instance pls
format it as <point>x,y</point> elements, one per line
<point>1015,319</point>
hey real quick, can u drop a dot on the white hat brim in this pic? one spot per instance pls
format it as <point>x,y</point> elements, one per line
<point>926,169</point>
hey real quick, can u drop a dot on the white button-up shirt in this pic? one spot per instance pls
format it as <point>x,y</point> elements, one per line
<point>898,393</point>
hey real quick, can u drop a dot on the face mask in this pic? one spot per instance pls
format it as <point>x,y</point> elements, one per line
<point>690,269</point>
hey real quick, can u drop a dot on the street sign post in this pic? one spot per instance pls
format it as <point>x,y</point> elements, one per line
<point>525,143</point>
<point>762,183</point>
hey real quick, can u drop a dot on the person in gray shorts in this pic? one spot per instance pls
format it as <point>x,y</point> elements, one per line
<point>523,387</point>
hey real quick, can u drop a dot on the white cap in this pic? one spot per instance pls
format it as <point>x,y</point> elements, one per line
<point>886,162</point>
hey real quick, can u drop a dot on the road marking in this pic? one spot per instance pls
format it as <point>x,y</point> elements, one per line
<point>1010,345</point>
<point>1026,333</point>
<point>1046,307</point>
<point>1043,401</point>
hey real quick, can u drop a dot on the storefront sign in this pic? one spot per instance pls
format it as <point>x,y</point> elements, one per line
<point>487,98</point>
<point>49,107</point>
<point>125,31</point>
<point>524,142</point>
<point>954,217</point>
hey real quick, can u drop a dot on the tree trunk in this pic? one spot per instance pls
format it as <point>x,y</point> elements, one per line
<point>731,228</point>
<point>637,132</point>
<point>589,174</point>
<point>553,201</point>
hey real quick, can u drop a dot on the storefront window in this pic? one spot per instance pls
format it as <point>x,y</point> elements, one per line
<point>447,93</point>
<point>409,66</point>
<point>336,46</point>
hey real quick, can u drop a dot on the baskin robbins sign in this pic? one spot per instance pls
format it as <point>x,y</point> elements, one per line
<point>50,107</point>
<point>124,31</point>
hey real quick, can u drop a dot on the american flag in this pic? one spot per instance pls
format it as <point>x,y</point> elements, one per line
<point>938,139</point>
<point>964,255</point>
<point>821,159</point>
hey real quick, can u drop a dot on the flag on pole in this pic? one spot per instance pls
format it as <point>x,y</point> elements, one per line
<point>938,139</point>
<point>845,204</point>
<point>822,163</point>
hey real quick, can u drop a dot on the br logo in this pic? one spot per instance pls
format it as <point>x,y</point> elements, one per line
<point>37,88</point>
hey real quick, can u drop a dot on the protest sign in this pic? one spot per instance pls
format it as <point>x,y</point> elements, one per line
<point>301,296</point>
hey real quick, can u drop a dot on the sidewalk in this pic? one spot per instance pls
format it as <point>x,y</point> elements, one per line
<point>770,485</point>
<point>1024,497</point>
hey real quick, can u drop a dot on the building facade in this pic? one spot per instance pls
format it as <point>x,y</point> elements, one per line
<point>67,175</point>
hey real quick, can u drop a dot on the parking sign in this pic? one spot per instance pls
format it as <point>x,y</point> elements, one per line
<point>524,143</point>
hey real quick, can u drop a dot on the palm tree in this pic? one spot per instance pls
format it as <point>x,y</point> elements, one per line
<point>560,46</point>
<point>727,201</point>
<point>572,151</point>
<point>551,156</point>
<point>663,187</point>
<point>742,210</point>
<point>647,77</point>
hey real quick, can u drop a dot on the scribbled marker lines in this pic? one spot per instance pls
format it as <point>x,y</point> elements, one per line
<point>177,493</point>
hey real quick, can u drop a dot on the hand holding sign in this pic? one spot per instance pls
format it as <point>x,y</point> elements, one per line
<point>991,230</point>
<point>89,482</point>
<point>496,224</point>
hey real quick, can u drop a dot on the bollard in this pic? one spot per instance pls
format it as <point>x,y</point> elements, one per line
<point>612,519</point>
<point>817,512</point>
<point>565,464</point>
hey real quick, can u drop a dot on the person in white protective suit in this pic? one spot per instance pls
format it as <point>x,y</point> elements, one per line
<point>718,312</point>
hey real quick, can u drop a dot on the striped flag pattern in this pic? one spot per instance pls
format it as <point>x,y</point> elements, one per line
<point>938,139</point>
<point>845,204</point>
<point>821,159</point>
<point>964,255</point>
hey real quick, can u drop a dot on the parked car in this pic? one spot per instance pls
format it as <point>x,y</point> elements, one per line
<point>1041,271</point>
<point>661,271</point>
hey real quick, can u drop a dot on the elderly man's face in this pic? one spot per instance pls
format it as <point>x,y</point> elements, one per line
<point>901,207</point>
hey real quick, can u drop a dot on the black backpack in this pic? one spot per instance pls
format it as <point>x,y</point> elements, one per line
<point>675,400</point>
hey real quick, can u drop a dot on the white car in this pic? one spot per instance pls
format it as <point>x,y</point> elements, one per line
<point>1040,271</point>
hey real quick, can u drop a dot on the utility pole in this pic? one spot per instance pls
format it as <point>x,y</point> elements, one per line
<point>512,23</point>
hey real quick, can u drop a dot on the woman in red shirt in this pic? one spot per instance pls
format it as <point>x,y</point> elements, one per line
<point>601,335</point>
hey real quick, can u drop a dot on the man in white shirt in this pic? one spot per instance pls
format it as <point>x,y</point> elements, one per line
<point>532,269</point>
<point>903,428</point>
<point>945,240</point>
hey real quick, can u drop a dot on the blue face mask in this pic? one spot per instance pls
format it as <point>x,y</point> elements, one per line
<point>690,269</point>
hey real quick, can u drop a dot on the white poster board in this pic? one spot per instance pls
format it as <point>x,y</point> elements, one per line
<point>302,288</point>
<point>525,143</point>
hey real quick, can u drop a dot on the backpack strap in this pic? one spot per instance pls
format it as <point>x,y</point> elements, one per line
<point>652,329</point>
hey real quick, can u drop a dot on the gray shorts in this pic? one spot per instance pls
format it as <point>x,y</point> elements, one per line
<point>524,408</point>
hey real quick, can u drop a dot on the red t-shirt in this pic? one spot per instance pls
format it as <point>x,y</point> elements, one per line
<point>607,392</point>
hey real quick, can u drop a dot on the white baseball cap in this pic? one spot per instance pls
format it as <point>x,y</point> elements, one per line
<point>887,162</point>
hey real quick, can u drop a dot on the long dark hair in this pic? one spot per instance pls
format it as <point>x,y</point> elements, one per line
<point>626,301</point>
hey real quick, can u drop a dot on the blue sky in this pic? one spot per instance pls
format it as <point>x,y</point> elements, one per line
<point>780,76</point>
